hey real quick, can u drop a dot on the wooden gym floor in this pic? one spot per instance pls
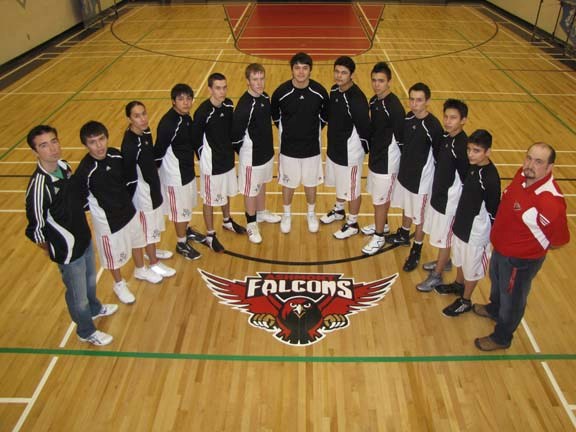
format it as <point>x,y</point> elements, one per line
<point>181,360</point>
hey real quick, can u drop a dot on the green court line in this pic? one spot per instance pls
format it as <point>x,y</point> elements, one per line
<point>524,89</point>
<point>287,359</point>
<point>86,84</point>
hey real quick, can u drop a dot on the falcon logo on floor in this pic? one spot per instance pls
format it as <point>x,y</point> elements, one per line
<point>298,308</point>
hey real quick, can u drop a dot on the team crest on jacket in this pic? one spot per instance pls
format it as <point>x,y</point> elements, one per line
<point>299,309</point>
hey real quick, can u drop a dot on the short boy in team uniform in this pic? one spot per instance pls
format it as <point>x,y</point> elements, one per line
<point>144,183</point>
<point>422,136</point>
<point>386,132</point>
<point>348,135</point>
<point>57,224</point>
<point>473,222</point>
<point>212,140</point>
<point>449,175</point>
<point>252,139</point>
<point>300,111</point>
<point>174,154</point>
<point>117,230</point>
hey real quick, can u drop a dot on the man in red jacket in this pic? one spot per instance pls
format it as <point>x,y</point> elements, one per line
<point>531,219</point>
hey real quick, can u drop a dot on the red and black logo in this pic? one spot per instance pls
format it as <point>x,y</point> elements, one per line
<point>298,308</point>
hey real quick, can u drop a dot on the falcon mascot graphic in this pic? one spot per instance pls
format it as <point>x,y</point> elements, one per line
<point>299,309</point>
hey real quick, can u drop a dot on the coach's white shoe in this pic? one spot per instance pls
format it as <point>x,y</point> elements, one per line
<point>286,223</point>
<point>313,224</point>
<point>144,273</point>
<point>371,229</point>
<point>106,310</point>
<point>266,216</point>
<point>162,270</point>
<point>123,293</point>
<point>253,232</point>
<point>98,338</point>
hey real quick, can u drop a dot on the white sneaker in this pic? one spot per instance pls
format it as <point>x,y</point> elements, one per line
<point>106,310</point>
<point>123,293</point>
<point>374,245</point>
<point>253,232</point>
<point>371,229</point>
<point>312,222</point>
<point>163,270</point>
<point>98,338</point>
<point>266,216</point>
<point>286,223</point>
<point>144,273</point>
<point>348,230</point>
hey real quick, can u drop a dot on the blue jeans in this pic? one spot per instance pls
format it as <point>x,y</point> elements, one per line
<point>80,279</point>
<point>511,280</point>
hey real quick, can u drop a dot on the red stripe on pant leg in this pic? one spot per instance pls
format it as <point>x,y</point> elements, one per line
<point>450,234</point>
<point>108,252</point>
<point>207,190</point>
<point>172,199</point>
<point>248,184</point>
<point>389,196</point>
<point>143,225</point>
<point>422,210</point>
<point>353,177</point>
<point>512,280</point>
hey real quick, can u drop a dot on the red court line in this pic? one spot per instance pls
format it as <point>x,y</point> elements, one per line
<point>328,30</point>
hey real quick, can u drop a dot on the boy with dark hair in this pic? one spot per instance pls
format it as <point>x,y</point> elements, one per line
<point>386,135</point>
<point>449,175</point>
<point>212,140</point>
<point>252,139</point>
<point>174,154</point>
<point>144,183</point>
<point>473,221</point>
<point>348,134</point>
<point>117,230</point>
<point>300,110</point>
<point>422,135</point>
<point>57,224</point>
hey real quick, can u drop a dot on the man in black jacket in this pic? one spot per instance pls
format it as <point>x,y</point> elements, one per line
<point>57,224</point>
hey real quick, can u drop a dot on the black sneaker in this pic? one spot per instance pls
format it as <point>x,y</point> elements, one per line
<point>213,243</point>
<point>195,236</point>
<point>451,288</point>
<point>187,251</point>
<point>460,306</point>
<point>412,261</point>
<point>234,227</point>
<point>402,238</point>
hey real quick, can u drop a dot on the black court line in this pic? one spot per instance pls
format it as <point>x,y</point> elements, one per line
<point>310,263</point>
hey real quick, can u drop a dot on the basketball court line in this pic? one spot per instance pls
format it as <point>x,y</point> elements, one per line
<point>290,359</point>
<point>401,53</point>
